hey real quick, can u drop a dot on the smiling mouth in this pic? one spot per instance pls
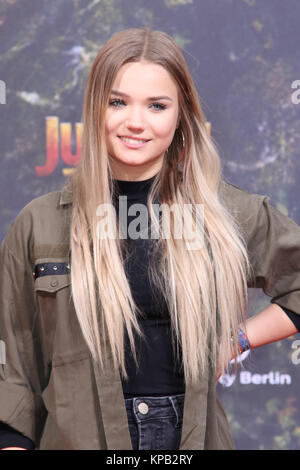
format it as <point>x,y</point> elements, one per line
<point>132,140</point>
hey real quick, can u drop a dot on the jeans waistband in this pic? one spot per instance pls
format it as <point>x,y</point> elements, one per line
<point>144,408</point>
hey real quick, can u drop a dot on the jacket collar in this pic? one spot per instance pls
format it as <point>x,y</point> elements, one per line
<point>65,196</point>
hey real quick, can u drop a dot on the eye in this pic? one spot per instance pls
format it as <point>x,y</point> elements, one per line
<point>116,102</point>
<point>160,106</point>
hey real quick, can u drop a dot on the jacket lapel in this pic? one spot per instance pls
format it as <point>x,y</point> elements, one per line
<point>112,405</point>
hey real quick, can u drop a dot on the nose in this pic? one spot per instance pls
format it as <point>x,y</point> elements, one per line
<point>135,120</point>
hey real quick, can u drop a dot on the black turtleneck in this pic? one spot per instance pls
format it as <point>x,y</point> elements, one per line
<point>158,372</point>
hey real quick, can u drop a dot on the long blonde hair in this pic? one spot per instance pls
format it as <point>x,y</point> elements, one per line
<point>205,289</point>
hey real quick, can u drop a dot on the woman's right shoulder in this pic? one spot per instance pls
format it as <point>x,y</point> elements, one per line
<point>52,201</point>
<point>44,221</point>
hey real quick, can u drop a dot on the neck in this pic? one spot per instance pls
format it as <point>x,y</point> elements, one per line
<point>122,172</point>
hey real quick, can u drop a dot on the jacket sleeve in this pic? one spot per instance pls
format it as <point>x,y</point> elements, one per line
<point>273,246</point>
<point>21,365</point>
<point>274,250</point>
<point>9,437</point>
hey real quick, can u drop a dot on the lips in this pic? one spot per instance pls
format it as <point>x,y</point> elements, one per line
<point>135,139</point>
<point>133,143</point>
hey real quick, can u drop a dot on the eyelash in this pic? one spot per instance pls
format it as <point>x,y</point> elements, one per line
<point>117,100</point>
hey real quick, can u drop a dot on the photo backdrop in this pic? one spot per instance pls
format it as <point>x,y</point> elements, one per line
<point>244,57</point>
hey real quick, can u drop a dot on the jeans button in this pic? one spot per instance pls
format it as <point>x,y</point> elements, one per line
<point>143,408</point>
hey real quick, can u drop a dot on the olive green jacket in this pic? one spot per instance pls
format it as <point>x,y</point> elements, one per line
<point>50,388</point>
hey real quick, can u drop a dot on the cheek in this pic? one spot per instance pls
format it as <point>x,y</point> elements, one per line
<point>111,123</point>
<point>109,132</point>
<point>165,127</point>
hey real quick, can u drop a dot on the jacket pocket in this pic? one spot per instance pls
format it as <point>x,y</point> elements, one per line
<point>52,284</point>
<point>56,320</point>
<point>61,332</point>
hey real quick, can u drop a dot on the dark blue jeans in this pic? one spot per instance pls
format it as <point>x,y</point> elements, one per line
<point>155,423</point>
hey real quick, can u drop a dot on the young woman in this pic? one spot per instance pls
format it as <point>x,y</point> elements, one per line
<point>116,324</point>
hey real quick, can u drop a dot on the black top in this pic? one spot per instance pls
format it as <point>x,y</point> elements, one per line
<point>159,373</point>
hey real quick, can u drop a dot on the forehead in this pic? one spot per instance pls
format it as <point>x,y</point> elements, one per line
<point>145,78</point>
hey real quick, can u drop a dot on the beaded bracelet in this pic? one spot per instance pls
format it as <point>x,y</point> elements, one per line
<point>243,341</point>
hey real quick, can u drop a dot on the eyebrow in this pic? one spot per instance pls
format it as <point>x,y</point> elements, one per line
<point>151,98</point>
